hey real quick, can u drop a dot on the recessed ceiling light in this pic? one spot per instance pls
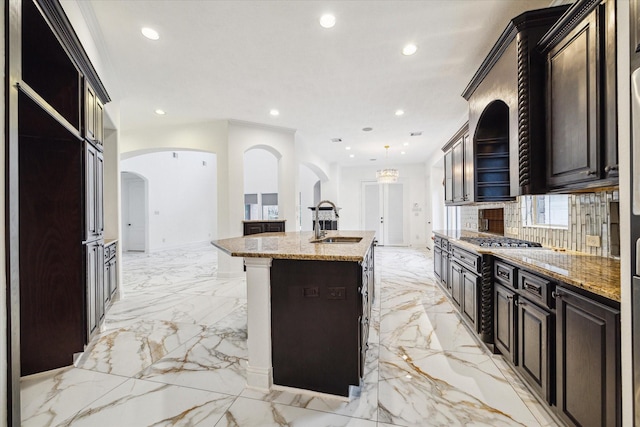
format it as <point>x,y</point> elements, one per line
<point>399,112</point>
<point>274,112</point>
<point>406,144</point>
<point>347,148</point>
<point>409,49</point>
<point>367,129</point>
<point>150,33</point>
<point>352,155</point>
<point>327,20</point>
<point>403,152</point>
<point>160,112</point>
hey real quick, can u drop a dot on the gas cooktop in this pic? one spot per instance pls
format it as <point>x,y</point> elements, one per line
<point>500,242</point>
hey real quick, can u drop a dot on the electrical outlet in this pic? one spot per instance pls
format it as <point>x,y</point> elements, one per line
<point>593,241</point>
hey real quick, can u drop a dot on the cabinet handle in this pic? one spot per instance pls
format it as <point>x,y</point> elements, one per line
<point>589,173</point>
<point>611,168</point>
<point>503,274</point>
<point>518,302</point>
<point>557,294</point>
<point>509,297</point>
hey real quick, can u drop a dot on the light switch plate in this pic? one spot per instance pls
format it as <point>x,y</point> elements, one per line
<point>593,241</point>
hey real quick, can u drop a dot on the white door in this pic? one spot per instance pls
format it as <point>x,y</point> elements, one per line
<point>133,214</point>
<point>384,212</point>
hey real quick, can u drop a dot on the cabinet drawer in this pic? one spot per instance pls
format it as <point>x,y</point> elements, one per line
<point>504,273</point>
<point>536,288</point>
<point>437,241</point>
<point>468,259</point>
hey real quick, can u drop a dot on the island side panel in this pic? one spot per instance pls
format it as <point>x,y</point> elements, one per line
<point>316,310</point>
<point>259,367</point>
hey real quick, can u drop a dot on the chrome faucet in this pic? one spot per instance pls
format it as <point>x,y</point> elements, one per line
<point>318,233</point>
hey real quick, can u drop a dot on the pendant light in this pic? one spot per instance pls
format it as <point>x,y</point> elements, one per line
<point>387,175</point>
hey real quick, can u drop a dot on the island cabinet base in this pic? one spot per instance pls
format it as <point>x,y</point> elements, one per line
<point>316,318</point>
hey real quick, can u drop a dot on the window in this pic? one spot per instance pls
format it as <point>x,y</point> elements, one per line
<point>545,211</point>
<point>251,206</point>
<point>269,205</point>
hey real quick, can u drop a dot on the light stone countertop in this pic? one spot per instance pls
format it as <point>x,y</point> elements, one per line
<point>596,274</point>
<point>297,245</point>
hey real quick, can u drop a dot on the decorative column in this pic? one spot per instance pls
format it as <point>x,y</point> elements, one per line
<point>260,366</point>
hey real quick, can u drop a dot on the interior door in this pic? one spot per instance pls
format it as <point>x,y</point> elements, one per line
<point>133,214</point>
<point>383,212</point>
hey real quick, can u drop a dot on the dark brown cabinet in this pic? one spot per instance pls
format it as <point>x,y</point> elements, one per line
<point>505,322</point>
<point>581,98</point>
<point>535,335</point>
<point>257,227</point>
<point>95,291</point>
<point>437,262</point>
<point>470,298</point>
<point>456,279</point>
<point>110,271</point>
<point>93,116</point>
<point>318,307</point>
<point>588,361</point>
<point>94,204</point>
<point>458,168</point>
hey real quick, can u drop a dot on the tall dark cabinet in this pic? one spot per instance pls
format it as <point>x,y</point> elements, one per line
<point>54,190</point>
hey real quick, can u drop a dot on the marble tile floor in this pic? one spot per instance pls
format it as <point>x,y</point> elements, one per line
<point>172,352</point>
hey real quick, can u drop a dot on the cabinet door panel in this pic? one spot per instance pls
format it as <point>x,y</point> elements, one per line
<point>572,114</point>
<point>534,355</point>
<point>458,172</point>
<point>470,295</point>
<point>448,177</point>
<point>504,322</point>
<point>437,263</point>
<point>588,361</point>
<point>469,169</point>
<point>90,192</point>
<point>455,279</point>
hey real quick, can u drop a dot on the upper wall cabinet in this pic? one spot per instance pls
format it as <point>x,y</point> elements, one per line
<point>49,76</point>
<point>93,116</point>
<point>506,110</point>
<point>581,118</point>
<point>458,168</point>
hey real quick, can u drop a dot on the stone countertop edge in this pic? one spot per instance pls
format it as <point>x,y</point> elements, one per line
<point>297,246</point>
<point>596,274</point>
<point>108,242</point>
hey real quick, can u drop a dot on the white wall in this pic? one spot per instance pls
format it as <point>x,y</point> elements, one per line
<point>413,176</point>
<point>307,180</point>
<point>182,196</point>
<point>436,192</point>
<point>4,386</point>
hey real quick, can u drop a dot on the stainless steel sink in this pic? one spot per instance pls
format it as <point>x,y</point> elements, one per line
<point>340,239</point>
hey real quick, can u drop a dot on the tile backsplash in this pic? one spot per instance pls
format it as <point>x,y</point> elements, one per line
<point>593,214</point>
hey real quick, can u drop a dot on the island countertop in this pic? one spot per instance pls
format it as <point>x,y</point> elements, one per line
<point>297,245</point>
<point>599,275</point>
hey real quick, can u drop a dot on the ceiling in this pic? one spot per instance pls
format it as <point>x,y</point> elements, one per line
<point>240,59</point>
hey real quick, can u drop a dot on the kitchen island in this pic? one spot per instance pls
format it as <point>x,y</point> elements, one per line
<point>308,308</point>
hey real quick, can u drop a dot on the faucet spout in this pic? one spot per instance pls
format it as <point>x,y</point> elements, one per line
<point>318,233</point>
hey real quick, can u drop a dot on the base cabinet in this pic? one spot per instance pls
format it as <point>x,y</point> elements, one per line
<point>535,336</point>
<point>588,358</point>
<point>455,280</point>
<point>471,298</point>
<point>257,227</point>
<point>110,271</point>
<point>505,324</point>
<point>95,292</point>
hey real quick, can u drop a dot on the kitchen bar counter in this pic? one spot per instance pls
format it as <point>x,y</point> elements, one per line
<point>297,245</point>
<point>599,275</point>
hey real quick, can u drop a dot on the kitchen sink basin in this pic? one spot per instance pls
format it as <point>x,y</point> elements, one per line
<point>340,239</point>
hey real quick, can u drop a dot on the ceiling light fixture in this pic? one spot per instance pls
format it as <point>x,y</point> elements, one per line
<point>327,20</point>
<point>347,148</point>
<point>387,175</point>
<point>409,49</point>
<point>274,112</point>
<point>403,152</point>
<point>160,112</point>
<point>352,155</point>
<point>406,144</point>
<point>399,112</point>
<point>150,33</point>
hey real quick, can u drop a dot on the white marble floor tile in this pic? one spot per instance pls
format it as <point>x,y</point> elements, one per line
<point>215,360</point>
<point>144,403</point>
<point>50,398</point>
<point>255,413</point>
<point>129,350</point>
<point>411,326</point>
<point>426,388</point>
